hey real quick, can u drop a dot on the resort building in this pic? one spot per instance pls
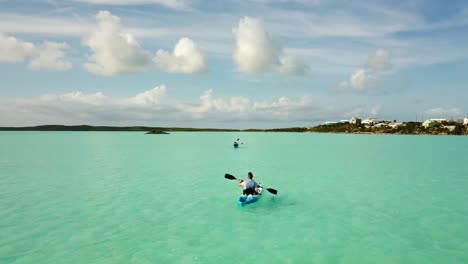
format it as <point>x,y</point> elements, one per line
<point>450,128</point>
<point>369,121</point>
<point>465,121</point>
<point>438,120</point>
<point>380,125</point>
<point>395,124</point>
<point>430,123</point>
<point>329,123</point>
<point>355,121</point>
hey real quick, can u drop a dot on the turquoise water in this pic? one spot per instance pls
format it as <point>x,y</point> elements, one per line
<point>127,197</point>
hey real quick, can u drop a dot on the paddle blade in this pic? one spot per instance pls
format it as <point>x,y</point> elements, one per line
<point>273,191</point>
<point>229,177</point>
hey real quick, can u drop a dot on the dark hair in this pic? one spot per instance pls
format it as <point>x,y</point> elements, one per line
<point>250,175</point>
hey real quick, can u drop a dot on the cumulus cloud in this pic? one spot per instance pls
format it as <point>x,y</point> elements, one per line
<point>114,52</point>
<point>150,97</point>
<point>443,112</point>
<point>362,80</point>
<point>256,52</point>
<point>209,105</point>
<point>155,106</point>
<point>290,66</point>
<point>366,78</point>
<point>76,98</point>
<point>187,57</point>
<point>50,56</point>
<point>173,4</point>
<point>13,49</point>
<point>379,60</point>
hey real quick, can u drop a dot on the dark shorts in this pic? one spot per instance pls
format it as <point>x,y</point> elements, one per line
<point>249,191</point>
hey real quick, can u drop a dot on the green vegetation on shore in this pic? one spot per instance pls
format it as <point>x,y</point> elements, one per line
<point>415,128</point>
<point>144,129</point>
<point>409,128</point>
<point>107,128</point>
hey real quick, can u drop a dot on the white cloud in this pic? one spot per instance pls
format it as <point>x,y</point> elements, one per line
<point>13,49</point>
<point>150,97</point>
<point>443,112</point>
<point>379,60</point>
<point>290,66</point>
<point>284,103</point>
<point>187,57</point>
<point>256,52</point>
<point>153,105</point>
<point>50,56</point>
<point>76,98</point>
<point>366,78</point>
<point>353,30</point>
<point>210,106</point>
<point>173,4</point>
<point>114,52</point>
<point>362,80</point>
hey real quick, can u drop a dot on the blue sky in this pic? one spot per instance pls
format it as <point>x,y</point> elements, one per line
<point>258,63</point>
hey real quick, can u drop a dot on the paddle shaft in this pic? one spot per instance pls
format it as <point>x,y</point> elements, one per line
<point>231,177</point>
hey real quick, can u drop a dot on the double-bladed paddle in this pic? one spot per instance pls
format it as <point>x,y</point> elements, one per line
<point>238,141</point>
<point>231,177</point>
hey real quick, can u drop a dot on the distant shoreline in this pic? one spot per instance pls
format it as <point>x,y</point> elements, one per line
<point>409,128</point>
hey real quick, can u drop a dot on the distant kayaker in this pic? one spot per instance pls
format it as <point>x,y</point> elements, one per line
<point>249,186</point>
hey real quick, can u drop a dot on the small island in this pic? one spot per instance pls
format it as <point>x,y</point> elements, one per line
<point>157,132</point>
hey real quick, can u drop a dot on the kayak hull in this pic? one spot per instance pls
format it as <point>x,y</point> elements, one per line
<point>244,200</point>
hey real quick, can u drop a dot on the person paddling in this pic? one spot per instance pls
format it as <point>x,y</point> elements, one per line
<point>249,186</point>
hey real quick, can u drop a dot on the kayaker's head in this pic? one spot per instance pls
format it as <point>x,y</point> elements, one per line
<point>249,175</point>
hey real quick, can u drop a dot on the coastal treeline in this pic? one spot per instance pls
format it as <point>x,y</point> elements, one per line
<point>413,128</point>
<point>108,128</point>
<point>408,128</point>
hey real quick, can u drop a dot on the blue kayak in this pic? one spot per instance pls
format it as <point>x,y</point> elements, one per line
<point>244,200</point>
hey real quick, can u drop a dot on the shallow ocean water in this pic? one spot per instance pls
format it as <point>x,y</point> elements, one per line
<point>127,197</point>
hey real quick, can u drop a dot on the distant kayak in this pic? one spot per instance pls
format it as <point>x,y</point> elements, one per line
<point>244,200</point>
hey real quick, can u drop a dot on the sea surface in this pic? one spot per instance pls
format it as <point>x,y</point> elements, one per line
<point>127,197</point>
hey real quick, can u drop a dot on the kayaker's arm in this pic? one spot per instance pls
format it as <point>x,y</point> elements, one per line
<point>242,183</point>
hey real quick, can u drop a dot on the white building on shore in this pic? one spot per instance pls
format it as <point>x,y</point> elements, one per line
<point>438,120</point>
<point>395,124</point>
<point>465,121</point>
<point>370,121</point>
<point>355,121</point>
<point>430,123</point>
